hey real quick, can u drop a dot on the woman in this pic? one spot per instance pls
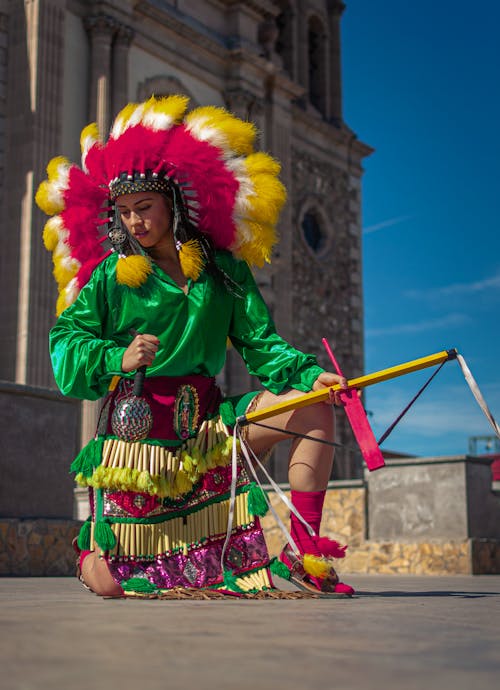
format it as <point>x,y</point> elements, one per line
<point>192,205</point>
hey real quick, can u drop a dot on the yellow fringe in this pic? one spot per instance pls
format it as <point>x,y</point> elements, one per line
<point>133,270</point>
<point>159,471</point>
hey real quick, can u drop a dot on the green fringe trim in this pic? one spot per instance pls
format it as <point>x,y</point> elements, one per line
<point>138,584</point>
<point>230,581</point>
<point>83,540</point>
<point>280,569</point>
<point>256,501</point>
<point>104,536</point>
<point>88,458</point>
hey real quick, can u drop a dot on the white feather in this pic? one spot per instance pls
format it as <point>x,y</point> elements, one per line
<point>212,135</point>
<point>157,121</point>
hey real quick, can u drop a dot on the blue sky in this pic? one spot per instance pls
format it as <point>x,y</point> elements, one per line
<point>421,85</point>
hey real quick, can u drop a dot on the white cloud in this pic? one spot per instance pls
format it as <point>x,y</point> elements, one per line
<point>474,287</point>
<point>419,326</point>
<point>385,224</point>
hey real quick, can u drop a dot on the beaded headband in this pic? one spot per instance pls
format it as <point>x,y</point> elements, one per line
<point>139,182</point>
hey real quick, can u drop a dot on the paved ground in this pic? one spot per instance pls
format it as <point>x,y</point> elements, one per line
<point>403,633</point>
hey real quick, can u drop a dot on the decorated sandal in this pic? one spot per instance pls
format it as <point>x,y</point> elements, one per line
<point>314,574</point>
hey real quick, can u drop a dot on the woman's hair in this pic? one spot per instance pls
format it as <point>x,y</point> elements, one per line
<point>185,231</point>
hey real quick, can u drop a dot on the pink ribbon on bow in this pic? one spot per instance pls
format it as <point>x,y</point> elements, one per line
<point>358,420</point>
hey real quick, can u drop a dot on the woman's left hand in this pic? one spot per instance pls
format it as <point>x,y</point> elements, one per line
<point>327,379</point>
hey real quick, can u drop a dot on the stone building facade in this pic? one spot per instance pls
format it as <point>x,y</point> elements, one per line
<point>64,63</point>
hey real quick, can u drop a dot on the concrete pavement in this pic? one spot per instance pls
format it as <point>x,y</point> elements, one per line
<point>398,632</point>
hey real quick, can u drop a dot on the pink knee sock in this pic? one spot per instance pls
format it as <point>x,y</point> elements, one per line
<point>310,505</point>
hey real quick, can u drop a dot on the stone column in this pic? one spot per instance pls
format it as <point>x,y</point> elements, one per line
<point>121,46</point>
<point>334,104</point>
<point>4,21</point>
<point>34,98</point>
<point>101,29</point>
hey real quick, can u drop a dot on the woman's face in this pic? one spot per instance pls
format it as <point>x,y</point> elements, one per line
<point>147,216</point>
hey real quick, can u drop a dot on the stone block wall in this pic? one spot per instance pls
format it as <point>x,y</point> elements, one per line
<point>37,547</point>
<point>425,516</point>
<point>40,437</point>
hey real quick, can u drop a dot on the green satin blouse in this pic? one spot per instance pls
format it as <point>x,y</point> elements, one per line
<point>90,337</point>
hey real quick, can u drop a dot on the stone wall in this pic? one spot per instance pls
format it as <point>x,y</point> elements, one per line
<point>40,437</point>
<point>424,516</point>
<point>37,547</point>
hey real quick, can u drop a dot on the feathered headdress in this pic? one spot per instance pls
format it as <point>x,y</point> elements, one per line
<point>220,187</point>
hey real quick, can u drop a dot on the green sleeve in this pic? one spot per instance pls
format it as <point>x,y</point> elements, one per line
<point>83,359</point>
<point>274,361</point>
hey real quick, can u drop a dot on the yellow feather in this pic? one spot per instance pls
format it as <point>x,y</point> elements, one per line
<point>258,249</point>
<point>121,120</point>
<point>47,201</point>
<point>133,270</point>
<point>191,259</point>
<point>259,162</point>
<point>51,233</point>
<point>236,134</point>
<point>63,301</point>
<point>62,273</point>
<point>174,106</point>
<point>266,204</point>
<point>61,304</point>
<point>240,135</point>
<point>317,567</point>
<point>56,166</point>
<point>90,134</point>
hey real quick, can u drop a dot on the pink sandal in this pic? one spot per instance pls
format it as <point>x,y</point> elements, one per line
<point>329,585</point>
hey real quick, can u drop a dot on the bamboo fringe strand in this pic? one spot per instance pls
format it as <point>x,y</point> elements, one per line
<point>136,540</point>
<point>156,470</point>
<point>254,581</point>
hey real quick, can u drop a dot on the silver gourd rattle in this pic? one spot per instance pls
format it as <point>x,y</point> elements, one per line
<point>132,418</point>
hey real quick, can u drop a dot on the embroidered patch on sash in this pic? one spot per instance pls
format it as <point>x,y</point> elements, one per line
<point>186,412</point>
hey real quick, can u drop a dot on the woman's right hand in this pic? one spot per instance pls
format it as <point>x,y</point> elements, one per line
<point>141,352</point>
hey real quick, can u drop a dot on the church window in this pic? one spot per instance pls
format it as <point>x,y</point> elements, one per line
<point>313,233</point>
<point>285,42</point>
<point>317,64</point>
